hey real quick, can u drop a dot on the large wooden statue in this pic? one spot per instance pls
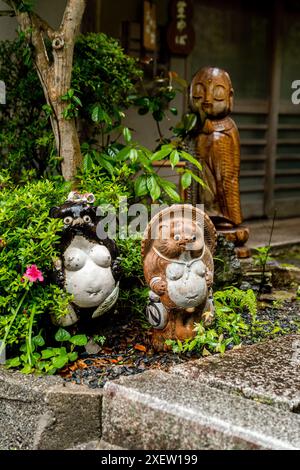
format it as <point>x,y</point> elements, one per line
<point>217,146</point>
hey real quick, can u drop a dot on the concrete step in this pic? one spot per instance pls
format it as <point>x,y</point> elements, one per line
<point>268,372</point>
<point>46,413</point>
<point>159,411</point>
<point>96,445</point>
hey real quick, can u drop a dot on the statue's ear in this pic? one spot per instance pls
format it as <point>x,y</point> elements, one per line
<point>54,212</point>
<point>231,92</point>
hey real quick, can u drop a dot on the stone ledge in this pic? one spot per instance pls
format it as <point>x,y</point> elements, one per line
<point>157,411</point>
<point>46,413</point>
<point>267,372</point>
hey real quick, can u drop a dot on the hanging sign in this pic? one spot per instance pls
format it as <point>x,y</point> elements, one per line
<point>181,33</point>
<point>150,25</point>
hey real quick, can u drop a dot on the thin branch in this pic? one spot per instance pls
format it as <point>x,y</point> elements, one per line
<point>72,18</point>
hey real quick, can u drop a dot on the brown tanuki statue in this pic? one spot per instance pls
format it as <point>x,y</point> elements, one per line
<point>217,146</point>
<point>178,251</point>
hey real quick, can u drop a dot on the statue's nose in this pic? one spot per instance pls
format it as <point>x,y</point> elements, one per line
<point>78,221</point>
<point>208,99</point>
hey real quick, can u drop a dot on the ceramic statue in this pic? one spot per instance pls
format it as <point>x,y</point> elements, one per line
<point>177,252</point>
<point>88,267</point>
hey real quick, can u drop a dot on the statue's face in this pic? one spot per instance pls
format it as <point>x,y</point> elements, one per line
<point>211,93</point>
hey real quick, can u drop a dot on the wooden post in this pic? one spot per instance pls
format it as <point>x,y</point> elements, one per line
<point>274,104</point>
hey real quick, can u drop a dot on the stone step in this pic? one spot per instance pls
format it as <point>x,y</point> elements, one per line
<point>45,413</point>
<point>96,445</point>
<point>159,411</point>
<point>268,372</point>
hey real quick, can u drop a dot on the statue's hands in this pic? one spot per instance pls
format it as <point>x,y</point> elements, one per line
<point>159,287</point>
<point>58,272</point>
<point>117,269</point>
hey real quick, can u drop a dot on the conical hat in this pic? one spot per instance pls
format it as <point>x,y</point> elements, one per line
<point>179,212</point>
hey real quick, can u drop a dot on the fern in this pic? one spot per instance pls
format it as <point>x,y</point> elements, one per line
<point>237,300</point>
<point>235,320</point>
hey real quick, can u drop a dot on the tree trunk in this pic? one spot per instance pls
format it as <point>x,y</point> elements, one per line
<point>55,76</point>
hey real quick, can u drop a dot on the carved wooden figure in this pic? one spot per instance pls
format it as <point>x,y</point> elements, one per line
<point>178,251</point>
<point>217,147</point>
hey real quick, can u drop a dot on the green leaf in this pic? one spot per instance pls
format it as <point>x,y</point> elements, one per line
<point>173,195</point>
<point>162,153</point>
<point>97,113</point>
<point>174,111</point>
<point>199,180</point>
<point>105,163</point>
<point>153,188</point>
<point>133,155</point>
<point>186,180</point>
<point>143,111</point>
<point>38,340</point>
<point>87,163</point>
<point>191,159</point>
<point>127,135</point>
<point>189,122</point>
<point>79,340</point>
<point>123,154</point>
<point>140,186</point>
<point>72,356</point>
<point>60,361</point>
<point>27,369</point>
<point>70,93</point>
<point>47,353</point>
<point>62,335</point>
<point>77,100</point>
<point>14,362</point>
<point>174,158</point>
<point>158,115</point>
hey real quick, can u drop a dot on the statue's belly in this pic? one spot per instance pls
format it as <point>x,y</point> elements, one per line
<point>88,275</point>
<point>187,284</point>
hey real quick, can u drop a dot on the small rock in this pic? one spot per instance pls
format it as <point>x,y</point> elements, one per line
<point>92,348</point>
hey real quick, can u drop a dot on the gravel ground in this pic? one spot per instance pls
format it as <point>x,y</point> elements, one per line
<point>127,350</point>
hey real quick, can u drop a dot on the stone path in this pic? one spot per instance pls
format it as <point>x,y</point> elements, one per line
<point>268,372</point>
<point>247,399</point>
<point>286,232</point>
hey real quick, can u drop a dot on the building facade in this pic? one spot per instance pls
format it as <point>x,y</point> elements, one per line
<point>257,43</point>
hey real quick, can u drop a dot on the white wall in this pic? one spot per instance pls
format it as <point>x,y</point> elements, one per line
<point>51,10</point>
<point>7,25</point>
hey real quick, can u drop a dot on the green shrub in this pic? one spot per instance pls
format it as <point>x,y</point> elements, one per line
<point>28,237</point>
<point>26,139</point>
<point>103,77</point>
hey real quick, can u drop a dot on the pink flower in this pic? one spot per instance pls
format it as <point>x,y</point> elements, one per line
<point>34,274</point>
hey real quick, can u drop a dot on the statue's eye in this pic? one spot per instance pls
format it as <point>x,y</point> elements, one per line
<point>198,91</point>
<point>194,238</point>
<point>68,220</point>
<point>177,237</point>
<point>87,219</point>
<point>219,93</point>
